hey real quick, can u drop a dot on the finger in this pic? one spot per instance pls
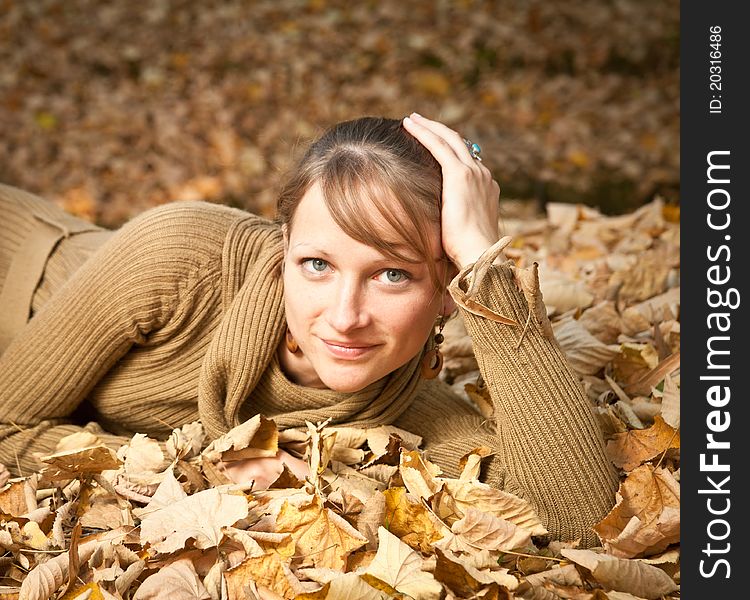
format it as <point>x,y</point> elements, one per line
<point>438,146</point>
<point>451,136</point>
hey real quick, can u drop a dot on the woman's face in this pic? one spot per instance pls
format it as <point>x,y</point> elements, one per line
<point>355,314</point>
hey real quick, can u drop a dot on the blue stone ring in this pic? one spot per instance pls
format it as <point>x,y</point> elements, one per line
<point>474,149</point>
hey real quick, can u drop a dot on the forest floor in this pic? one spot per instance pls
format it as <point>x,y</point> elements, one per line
<point>110,108</point>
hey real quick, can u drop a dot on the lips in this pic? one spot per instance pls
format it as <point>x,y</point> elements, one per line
<point>347,350</point>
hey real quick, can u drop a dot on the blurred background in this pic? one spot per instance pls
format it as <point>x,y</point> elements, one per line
<point>109,108</point>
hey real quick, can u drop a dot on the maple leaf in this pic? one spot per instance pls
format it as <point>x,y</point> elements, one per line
<point>465,579</point>
<point>408,519</point>
<point>646,518</point>
<point>400,567</point>
<point>630,449</point>
<point>269,571</point>
<point>200,516</point>
<point>321,537</point>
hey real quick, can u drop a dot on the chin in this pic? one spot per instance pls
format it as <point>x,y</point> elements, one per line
<point>339,382</point>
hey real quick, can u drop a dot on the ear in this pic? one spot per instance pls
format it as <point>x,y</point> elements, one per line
<point>449,305</point>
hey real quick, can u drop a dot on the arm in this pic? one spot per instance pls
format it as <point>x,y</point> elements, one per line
<point>128,289</point>
<point>550,449</point>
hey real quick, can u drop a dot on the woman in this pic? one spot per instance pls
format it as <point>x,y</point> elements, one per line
<point>193,310</point>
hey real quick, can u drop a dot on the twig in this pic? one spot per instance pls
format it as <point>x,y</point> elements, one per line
<point>533,555</point>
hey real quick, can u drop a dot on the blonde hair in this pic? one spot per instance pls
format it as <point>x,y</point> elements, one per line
<point>373,162</point>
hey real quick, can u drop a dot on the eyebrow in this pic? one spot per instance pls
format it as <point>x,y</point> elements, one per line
<point>383,259</point>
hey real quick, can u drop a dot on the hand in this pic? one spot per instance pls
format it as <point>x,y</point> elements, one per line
<point>264,471</point>
<point>469,218</point>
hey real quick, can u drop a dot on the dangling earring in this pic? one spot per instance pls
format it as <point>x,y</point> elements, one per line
<point>432,362</point>
<point>291,343</point>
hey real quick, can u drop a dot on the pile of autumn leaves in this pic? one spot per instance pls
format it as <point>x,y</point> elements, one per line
<point>375,519</point>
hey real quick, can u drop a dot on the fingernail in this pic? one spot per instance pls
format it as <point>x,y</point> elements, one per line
<point>416,114</point>
<point>408,119</point>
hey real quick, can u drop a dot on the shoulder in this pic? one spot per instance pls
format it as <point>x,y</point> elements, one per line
<point>192,227</point>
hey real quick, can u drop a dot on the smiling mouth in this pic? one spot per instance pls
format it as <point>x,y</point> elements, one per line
<point>345,351</point>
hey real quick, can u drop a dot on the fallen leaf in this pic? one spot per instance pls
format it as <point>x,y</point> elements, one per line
<point>400,567</point>
<point>407,518</point>
<point>630,449</point>
<point>586,354</point>
<point>176,581</point>
<point>322,538</point>
<point>646,518</point>
<point>624,575</point>
<point>485,531</point>
<point>456,498</point>
<point>200,516</point>
<point>254,438</point>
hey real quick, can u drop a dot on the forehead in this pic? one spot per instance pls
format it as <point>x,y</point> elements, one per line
<point>312,221</point>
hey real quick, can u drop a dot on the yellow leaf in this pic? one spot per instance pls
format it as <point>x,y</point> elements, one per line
<point>628,450</point>
<point>419,474</point>
<point>646,518</point>
<point>91,590</point>
<point>408,519</point>
<point>269,570</point>
<point>322,538</point>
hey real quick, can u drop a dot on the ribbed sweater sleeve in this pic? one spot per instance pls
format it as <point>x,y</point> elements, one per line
<point>549,447</point>
<point>127,290</point>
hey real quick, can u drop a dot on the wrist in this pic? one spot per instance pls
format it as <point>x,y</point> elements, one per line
<point>470,253</point>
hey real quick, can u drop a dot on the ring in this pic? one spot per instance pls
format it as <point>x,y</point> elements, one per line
<point>475,149</point>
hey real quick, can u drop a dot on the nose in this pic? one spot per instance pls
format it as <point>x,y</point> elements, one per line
<point>347,311</point>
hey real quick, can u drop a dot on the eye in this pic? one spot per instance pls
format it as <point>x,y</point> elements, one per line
<point>315,265</point>
<point>395,276</point>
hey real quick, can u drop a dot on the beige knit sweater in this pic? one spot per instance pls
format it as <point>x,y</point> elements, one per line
<point>177,316</point>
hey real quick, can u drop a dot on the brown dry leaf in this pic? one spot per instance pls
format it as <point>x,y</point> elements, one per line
<point>586,354</point>
<point>350,586</point>
<point>466,580</point>
<point>45,579</point>
<point>624,575</point>
<point>456,498</point>
<point>633,362</point>
<point>643,315</point>
<point>647,380</point>
<point>532,587</point>
<point>645,279</point>
<point>419,475</point>
<point>646,518</point>
<point>254,438</point>
<point>603,321</point>
<point>74,463</point>
<point>562,294</point>
<point>379,438</point>
<point>527,281</point>
<point>628,450</point>
<point>269,571</point>
<point>485,531</point>
<point>142,456</point>
<point>322,538</point>
<point>670,403</point>
<point>176,581</point>
<point>400,567</point>
<point>19,498</point>
<point>200,516</point>
<point>186,441</point>
<point>169,492</point>
<point>408,519</point>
